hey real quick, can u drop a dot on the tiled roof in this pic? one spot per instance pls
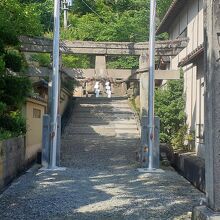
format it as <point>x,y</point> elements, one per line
<point>191,57</point>
<point>38,98</point>
<point>171,14</point>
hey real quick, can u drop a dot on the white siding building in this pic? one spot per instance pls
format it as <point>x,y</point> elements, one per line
<point>184,18</point>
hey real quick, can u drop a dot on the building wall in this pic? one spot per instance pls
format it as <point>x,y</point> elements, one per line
<point>189,24</point>
<point>34,111</point>
<point>64,99</point>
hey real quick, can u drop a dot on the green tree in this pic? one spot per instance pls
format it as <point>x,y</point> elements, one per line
<point>16,19</point>
<point>169,106</point>
<point>112,20</point>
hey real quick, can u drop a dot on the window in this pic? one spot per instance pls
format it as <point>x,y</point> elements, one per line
<point>36,113</point>
<point>200,132</point>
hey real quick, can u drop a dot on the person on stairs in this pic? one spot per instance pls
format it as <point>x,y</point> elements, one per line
<point>108,89</point>
<point>97,90</point>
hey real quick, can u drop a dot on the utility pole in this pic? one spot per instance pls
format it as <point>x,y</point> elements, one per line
<point>151,126</point>
<point>66,5</point>
<point>65,14</point>
<point>55,86</point>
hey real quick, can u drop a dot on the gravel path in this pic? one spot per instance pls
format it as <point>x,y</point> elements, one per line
<point>110,188</point>
<point>101,183</point>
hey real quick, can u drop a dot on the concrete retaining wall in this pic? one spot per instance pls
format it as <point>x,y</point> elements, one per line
<point>12,159</point>
<point>191,167</point>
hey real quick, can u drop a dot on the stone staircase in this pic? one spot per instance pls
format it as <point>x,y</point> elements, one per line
<point>98,126</point>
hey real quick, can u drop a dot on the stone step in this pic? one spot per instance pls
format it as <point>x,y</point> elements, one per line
<point>103,110</point>
<point>102,115</point>
<point>104,131</point>
<point>70,146</point>
<point>93,140</point>
<point>89,130</point>
<point>128,124</point>
<point>114,126</point>
<point>96,139</point>
<point>80,138</point>
<point>100,131</point>
<point>115,106</point>
<point>123,135</point>
<point>102,99</point>
<point>100,121</point>
<point>86,135</point>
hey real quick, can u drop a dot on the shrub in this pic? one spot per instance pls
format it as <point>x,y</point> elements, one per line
<point>178,140</point>
<point>4,134</point>
<point>3,108</point>
<point>42,59</point>
<point>13,60</point>
<point>2,47</point>
<point>16,89</point>
<point>169,106</point>
<point>13,122</point>
<point>2,65</point>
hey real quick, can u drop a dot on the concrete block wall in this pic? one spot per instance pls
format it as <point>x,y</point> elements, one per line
<point>12,159</point>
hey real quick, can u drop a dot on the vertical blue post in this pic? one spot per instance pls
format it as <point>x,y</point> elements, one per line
<point>145,146</point>
<point>58,139</point>
<point>151,134</point>
<point>45,158</point>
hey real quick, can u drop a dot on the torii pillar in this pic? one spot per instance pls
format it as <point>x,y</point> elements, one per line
<point>100,66</point>
<point>144,82</point>
<point>211,210</point>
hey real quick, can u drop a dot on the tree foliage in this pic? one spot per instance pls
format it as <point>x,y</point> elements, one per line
<point>13,92</point>
<point>16,19</point>
<point>112,20</point>
<point>169,106</point>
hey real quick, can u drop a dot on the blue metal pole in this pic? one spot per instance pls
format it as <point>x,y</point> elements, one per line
<point>55,85</point>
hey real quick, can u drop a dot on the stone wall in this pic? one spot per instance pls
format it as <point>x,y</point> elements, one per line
<point>12,159</point>
<point>191,167</point>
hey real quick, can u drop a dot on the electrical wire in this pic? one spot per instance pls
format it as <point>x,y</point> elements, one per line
<point>92,9</point>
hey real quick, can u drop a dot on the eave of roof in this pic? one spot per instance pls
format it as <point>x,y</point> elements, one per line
<point>170,15</point>
<point>42,83</point>
<point>38,98</point>
<point>191,57</point>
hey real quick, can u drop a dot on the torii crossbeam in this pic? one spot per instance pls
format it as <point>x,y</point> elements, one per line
<point>44,45</point>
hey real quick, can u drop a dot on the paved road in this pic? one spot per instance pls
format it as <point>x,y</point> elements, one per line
<point>101,183</point>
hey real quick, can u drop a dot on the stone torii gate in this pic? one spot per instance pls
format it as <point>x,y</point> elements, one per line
<point>103,49</point>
